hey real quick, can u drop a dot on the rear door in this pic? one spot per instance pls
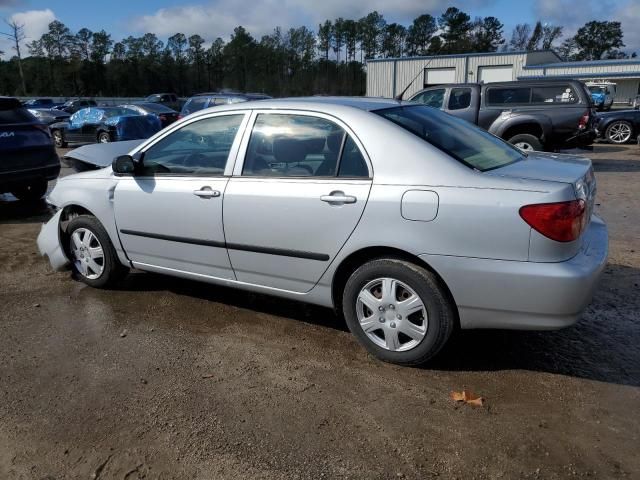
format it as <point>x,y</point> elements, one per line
<point>295,199</point>
<point>169,216</point>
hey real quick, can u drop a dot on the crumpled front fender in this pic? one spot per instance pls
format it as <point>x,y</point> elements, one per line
<point>50,245</point>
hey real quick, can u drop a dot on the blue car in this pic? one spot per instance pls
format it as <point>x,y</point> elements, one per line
<point>602,94</point>
<point>104,124</point>
<point>28,159</point>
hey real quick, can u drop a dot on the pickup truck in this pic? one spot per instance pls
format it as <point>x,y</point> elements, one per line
<point>170,100</point>
<point>540,115</point>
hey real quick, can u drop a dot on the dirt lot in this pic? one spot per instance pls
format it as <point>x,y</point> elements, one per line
<point>166,378</point>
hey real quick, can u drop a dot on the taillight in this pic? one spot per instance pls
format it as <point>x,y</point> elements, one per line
<point>162,117</point>
<point>561,221</point>
<point>180,116</point>
<point>43,128</point>
<point>584,120</point>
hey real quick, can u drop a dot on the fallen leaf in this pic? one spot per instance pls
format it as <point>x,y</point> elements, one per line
<point>467,397</point>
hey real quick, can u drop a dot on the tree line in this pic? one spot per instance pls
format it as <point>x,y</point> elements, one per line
<point>298,61</point>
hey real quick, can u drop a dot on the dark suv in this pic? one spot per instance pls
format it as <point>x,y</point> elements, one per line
<point>535,115</point>
<point>28,158</point>
<point>206,100</point>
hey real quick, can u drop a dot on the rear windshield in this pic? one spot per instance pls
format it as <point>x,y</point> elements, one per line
<point>462,140</point>
<point>155,107</point>
<point>14,115</point>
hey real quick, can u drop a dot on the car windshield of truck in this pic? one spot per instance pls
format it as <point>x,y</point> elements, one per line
<point>458,138</point>
<point>598,90</point>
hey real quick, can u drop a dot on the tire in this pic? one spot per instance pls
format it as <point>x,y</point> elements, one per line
<point>619,132</point>
<point>104,137</point>
<point>526,142</point>
<point>386,338</point>
<point>58,139</point>
<point>84,235</point>
<point>32,191</point>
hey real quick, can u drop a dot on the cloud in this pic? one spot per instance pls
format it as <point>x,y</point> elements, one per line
<point>35,23</point>
<point>218,18</point>
<point>567,14</point>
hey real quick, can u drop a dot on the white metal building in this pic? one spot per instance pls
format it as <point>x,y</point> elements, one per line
<point>389,76</point>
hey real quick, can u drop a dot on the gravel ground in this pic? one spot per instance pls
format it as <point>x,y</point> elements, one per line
<point>166,378</point>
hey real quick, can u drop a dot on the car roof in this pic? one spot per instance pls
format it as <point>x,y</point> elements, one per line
<point>317,104</point>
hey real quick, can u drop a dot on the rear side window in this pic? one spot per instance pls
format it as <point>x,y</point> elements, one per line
<point>220,101</point>
<point>553,94</point>
<point>194,104</point>
<point>430,98</point>
<point>285,145</point>
<point>459,98</point>
<point>15,115</point>
<point>508,95</point>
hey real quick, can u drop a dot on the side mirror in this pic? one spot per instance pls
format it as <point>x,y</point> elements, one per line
<point>124,165</point>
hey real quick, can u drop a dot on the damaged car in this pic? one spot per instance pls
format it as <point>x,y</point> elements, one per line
<point>104,125</point>
<point>410,222</point>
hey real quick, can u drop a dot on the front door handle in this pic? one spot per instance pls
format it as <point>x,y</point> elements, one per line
<point>206,192</point>
<point>338,198</point>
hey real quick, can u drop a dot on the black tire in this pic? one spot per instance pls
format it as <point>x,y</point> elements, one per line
<point>113,270</point>
<point>440,311</point>
<point>609,132</point>
<point>58,139</point>
<point>532,141</point>
<point>104,137</point>
<point>32,191</point>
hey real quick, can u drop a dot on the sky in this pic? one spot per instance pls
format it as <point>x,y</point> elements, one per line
<point>217,18</point>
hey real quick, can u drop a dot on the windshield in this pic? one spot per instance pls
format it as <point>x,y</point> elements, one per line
<point>117,112</point>
<point>465,142</point>
<point>597,90</point>
<point>155,107</point>
<point>153,98</point>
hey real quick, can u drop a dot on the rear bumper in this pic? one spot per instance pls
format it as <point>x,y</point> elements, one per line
<point>525,295</point>
<point>21,176</point>
<point>49,243</point>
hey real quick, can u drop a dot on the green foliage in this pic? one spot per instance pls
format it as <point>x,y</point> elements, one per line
<point>296,62</point>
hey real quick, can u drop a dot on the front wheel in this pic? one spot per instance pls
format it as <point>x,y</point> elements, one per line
<point>398,311</point>
<point>92,254</point>
<point>526,142</point>
<point>58,139</point>
<point>104,137</point>
<point>31,191</point>
<point>619,132</point>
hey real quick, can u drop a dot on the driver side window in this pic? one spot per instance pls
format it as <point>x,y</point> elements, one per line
<point>200,148</point>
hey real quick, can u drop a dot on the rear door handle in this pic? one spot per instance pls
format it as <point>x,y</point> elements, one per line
<point>338,198</point>
<point>206,192</point>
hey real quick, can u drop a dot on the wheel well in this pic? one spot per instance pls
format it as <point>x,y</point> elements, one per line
<point>72,211</point>
<point>524,128</point>
<point>351,263</point>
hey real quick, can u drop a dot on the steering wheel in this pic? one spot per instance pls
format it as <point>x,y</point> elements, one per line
<point>194,160</point>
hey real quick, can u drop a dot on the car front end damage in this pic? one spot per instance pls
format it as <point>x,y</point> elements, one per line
<point>50,244</point>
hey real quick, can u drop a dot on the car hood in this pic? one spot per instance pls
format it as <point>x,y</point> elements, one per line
<point>102,154</point>
<point>551,167</point>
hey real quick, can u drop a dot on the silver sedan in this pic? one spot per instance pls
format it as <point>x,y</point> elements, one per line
<point>407,220</point>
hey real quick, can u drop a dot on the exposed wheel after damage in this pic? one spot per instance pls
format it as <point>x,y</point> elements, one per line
<point>92,254</point>
<point>398,311</point>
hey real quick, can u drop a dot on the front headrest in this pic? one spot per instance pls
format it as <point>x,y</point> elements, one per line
<point>289,150</point>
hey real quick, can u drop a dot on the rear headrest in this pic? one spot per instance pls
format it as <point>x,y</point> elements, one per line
<point>289,150</point>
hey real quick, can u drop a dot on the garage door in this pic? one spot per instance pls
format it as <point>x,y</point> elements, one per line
<point>502,73</point>
<point>436,76</point>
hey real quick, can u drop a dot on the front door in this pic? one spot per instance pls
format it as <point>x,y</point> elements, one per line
<point>294,201</point>
<point>169,216</point>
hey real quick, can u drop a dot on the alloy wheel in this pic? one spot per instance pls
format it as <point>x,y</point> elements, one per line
<point>619,132</point>
<point>87,252</point>
<point>392,314</point>
<point>525,147</point>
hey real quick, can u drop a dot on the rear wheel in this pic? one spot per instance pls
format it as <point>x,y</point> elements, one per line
<point>398,311</point>
<point>31,191</point>
<point>526,142</point>
<point>58,139</point>
<point>104,137</point>
<point>92,254</point>
<point>619,132</point>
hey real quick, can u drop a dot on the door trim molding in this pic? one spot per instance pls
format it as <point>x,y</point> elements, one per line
<point>322,257</point>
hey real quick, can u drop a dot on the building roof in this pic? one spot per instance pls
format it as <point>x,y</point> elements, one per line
<point>587,63</point>
<point>464,55</point>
